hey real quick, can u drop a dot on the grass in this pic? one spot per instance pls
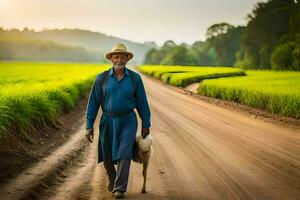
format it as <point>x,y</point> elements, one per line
<point>276,92</point>
<point>185,75</point>
<point>33,95</point>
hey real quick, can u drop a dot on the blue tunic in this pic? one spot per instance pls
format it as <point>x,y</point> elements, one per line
<point>117,134</point>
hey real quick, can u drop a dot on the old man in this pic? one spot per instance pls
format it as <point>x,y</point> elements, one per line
<point>118,91</point>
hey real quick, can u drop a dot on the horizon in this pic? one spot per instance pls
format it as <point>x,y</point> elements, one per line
<point>188,26</point>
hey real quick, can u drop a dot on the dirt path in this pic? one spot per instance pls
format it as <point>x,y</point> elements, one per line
<point>193,87</point>
<point>201,151</point>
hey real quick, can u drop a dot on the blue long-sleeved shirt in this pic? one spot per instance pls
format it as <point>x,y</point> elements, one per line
<point>118,97</point>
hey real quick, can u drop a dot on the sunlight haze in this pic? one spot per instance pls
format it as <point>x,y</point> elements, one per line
<point>148,20</point>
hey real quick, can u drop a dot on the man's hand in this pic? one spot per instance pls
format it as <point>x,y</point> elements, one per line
<point>145,132</point>
<point>90,135</point>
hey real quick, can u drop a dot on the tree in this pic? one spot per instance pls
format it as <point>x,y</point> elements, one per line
<point>226,46</point>
<point>268,22</point>
<point>204,53</point>
<point>218,29</point>
<point>286,57</point>
<point>153,56</point>
<point>179,55</point>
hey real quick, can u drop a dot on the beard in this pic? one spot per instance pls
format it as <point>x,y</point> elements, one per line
<point>119,66</point>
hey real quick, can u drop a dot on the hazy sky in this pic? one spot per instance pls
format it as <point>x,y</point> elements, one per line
<point>136,20</point>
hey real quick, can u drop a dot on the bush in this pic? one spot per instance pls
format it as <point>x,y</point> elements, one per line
<point>286,57</point>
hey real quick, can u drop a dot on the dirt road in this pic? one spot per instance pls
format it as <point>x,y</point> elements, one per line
<point>201,151</point>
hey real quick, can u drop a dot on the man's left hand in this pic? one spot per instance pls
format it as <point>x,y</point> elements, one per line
<point>145,132</point>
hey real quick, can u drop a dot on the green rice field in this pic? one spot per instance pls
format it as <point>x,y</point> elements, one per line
<point>32,95</point>
<point>275,91</point>
<point>185,75</point>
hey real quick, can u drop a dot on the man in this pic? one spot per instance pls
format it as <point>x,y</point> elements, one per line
<point>118,91</point>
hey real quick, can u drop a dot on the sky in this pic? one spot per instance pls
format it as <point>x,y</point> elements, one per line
<point>135,20</point>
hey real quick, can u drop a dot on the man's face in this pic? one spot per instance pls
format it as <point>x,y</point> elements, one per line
<point>119,60</point>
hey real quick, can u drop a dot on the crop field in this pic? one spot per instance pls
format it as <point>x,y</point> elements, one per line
<point>32,95</point>
<point>185,75</point>
<point>276,92</point>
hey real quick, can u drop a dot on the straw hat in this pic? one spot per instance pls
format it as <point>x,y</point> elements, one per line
<point>119,48</point>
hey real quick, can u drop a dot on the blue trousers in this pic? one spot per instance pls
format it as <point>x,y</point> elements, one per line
<point>118,180</point>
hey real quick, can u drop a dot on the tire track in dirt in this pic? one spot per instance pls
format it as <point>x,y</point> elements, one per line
<point>31,180</point>
<point>86,182</point>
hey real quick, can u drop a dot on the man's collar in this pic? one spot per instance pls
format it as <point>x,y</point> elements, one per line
<point>111,71</point>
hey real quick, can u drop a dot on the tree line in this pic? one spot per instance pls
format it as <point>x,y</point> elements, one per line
<point>21,48</point>
<point>270,40</point>
<point>75,45</point>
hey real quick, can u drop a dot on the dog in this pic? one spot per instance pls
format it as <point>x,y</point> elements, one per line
<point>142,153</point>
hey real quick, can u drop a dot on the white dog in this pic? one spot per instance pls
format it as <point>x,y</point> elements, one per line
<point>142,152</point>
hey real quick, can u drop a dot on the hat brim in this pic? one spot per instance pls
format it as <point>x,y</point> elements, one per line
<point>108,54</point>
